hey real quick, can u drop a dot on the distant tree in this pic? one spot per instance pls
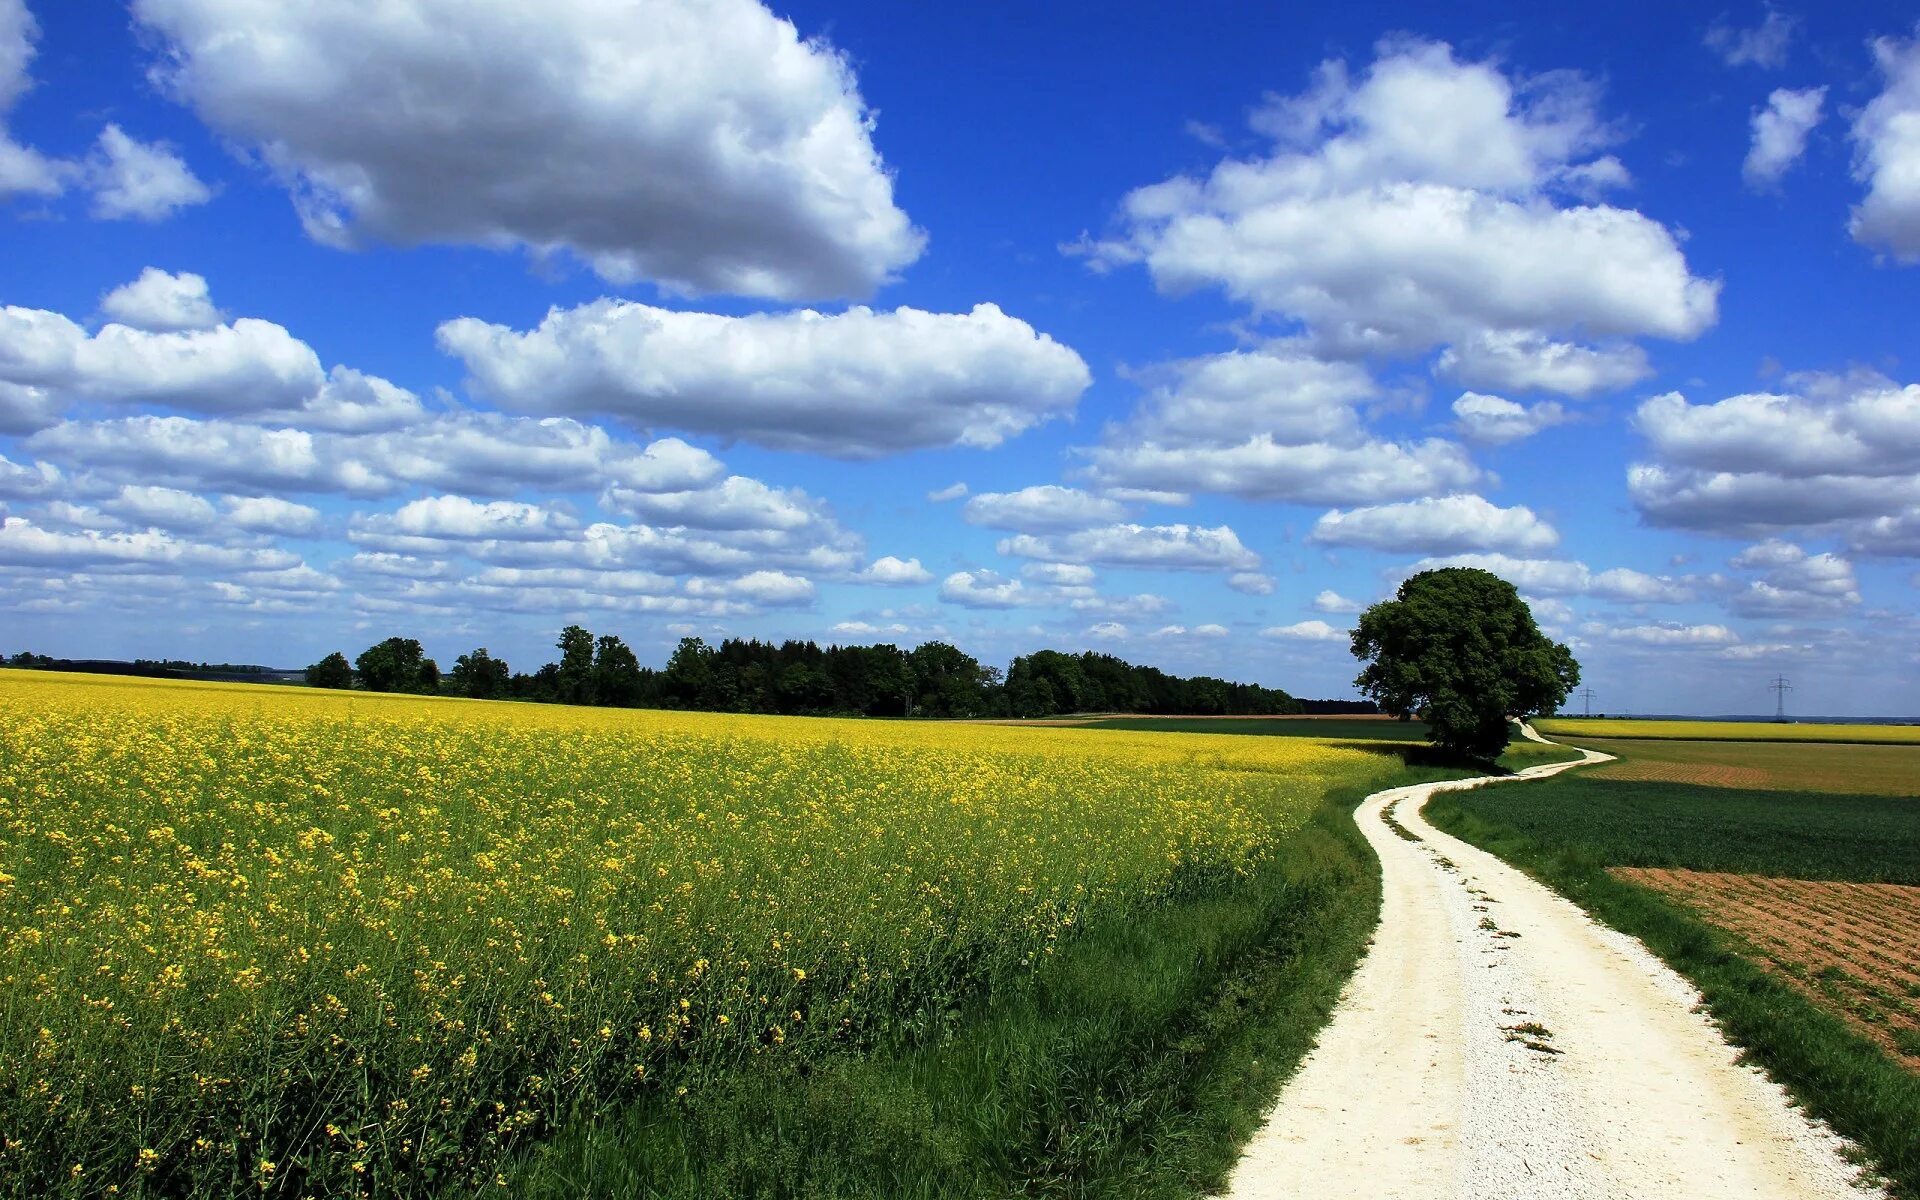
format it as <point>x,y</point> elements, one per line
<point>688,679</point>
<point>1459,648</point>
<point>948,682</point>
<point>333,671</point>
<point>397,665</point>
<point>576,665</point>
<point>480,675</point>
<point>616,673</point>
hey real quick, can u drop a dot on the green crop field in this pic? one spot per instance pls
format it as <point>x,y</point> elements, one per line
<point>1802,835</point>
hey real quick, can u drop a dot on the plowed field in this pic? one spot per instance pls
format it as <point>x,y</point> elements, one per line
<point>1853,947</point>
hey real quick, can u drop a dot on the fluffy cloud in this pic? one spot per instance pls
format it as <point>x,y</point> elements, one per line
<point>271,515</point>
<point>1274,424</point>
<point>24,543</point>
<point>18,481</point>
<point>476,453</point>
<point>1182,631</point>
<point>1173,547</point>
<point>770,588</point>
<point>952,491</point>
<point>1496,421</point>
<point>1305,631</point>
<point>744,157</point>
<point>420,525</point>
<point>984,589</point>
<point>1252,583</point>
<point>1059,574</point>
<point>1418,207</point>
<point>1330,601</point>
<point>889,571</point>
<point>161,302</point>
<point>1563,577</point>
<point>1040,509</point>
<point>858,384</point>
<point>736,502</point>
<point>139,181</point>
<point>1436,526</point>
<point>1886,139</point>
<point>175,353</point>
<point>1763,45</point>
<point>1526,361</point>
<point>1674,636</point>
<point>1838,451</point>
<point>1794,583</point>
<point>1780,133</point>
<point>128,179</point>
<point>22,169</point>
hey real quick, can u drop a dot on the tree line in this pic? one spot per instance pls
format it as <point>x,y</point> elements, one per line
<point>935,679</point>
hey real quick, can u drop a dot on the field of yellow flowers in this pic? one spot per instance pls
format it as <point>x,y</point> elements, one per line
<point>266,939</point>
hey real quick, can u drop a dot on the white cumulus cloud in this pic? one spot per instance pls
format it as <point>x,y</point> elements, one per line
<point>1305,631</point>
<point>1423,205</point>
<point>1886,141</point>
<point>162,302</point>
<point>1780,133</point>
<point>1173,547</point>
<point>857,384</point>
<point>701,144</point>
<point>1496,421</point>
<point>895,572</point>
<point>1041,509</point>
<point>1437,525</point>
<point>133,180</point>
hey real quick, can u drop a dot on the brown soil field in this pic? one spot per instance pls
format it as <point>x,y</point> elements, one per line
<point>1854,948</point>
<point>1766,766</point>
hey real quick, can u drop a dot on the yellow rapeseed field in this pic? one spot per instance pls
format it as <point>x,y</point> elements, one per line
<point>1730,731</point>
<point>266,939</point>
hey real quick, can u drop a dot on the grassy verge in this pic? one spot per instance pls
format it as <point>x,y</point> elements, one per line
<point>1838,1075</point>
<point>1135,1065</point>
<point>1799,835</point>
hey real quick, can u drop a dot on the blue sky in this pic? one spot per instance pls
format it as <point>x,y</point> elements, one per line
<point>334,321</point>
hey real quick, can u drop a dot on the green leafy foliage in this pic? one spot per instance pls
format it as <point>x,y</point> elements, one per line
<point>397,665</point>
<point>333,671</point>
<point>1460,648</point>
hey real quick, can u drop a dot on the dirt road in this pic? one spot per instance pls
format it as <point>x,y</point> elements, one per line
<point>1497,1042</point>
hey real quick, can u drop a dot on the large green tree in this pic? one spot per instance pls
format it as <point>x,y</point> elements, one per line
<point>1458,647</point>
<point>397,665</point>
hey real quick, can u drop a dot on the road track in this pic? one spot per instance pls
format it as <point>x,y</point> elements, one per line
<point>1498,1042</point>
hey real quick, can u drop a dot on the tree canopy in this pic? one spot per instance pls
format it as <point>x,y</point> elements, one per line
<point>1458,647</point>
<point>935,679</point>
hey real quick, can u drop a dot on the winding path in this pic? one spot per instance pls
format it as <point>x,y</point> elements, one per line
<point>1498,1042</point>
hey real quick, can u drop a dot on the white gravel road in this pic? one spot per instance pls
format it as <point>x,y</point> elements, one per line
<point>1497,1042</point>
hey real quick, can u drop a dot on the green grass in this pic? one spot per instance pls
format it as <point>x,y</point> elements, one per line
<point>1801,835</point>
<point>1568,831</point>
<point>1135,1065</point>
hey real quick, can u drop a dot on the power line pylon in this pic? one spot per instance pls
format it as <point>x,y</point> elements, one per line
<point>1780,687</point>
